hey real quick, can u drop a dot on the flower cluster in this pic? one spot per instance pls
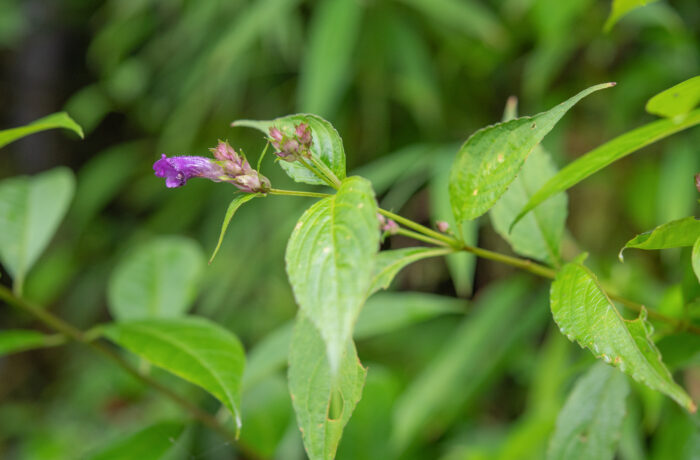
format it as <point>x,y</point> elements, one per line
<point>291,147</point>
<point>388,226</point>
<point>229,166</point>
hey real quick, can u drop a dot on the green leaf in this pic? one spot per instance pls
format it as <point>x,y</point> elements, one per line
<point>151,443</point>
<point>696,258</point>
<point>602,156</point>
<point>326,69</point>
<point>193,348</point>
<point>676,101</point>
<point>590,423</point>
<point>323,404</point>
<point>16,340</point>
<point>389,311</point>
<point>236,203</point>
<point>327,145</point>
<point>53,121</point>
<point>30,210</point>
<point>158,279</point>
<point>330,261</point>
<point>621,8</point>
<point>539,234</point>
<point>676,234</point>
<point>491,158</point>
<point>584,313</point>
<point>389,263</point>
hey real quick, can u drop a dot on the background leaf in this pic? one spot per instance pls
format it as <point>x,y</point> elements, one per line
<point>621,8</point>
<point>53,121</point>
<point>236,203</point>
<point>677,100</point>
<point>151,443</point>
<point>676,234</point>
<point>584,313</point>
<point>330,258</point>
<point>325,72</point>
<point>389,263</point>
<point>492,157</point>
<point>602,156</point>
<point>158,279</point>
<point>327,145</point>
<point>16,340</point>
<point>323,403</point>
<point>195,349</point>
<point>539,234</point>
<point>589,425</point>
<point>30,210</point>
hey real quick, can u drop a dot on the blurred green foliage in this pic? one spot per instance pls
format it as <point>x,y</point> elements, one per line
<point>403,81</point>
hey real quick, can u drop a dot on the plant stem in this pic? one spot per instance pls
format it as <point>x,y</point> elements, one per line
<point>319,174</point>
<point>420,237</point>
<point>421,228</point>
<point>326,171</point>
<point>276,191</point>
<point>77,335</point>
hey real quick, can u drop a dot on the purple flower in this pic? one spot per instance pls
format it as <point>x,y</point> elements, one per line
<point>178,170</point>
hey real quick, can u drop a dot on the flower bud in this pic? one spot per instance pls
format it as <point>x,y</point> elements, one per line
<point>442,226</point>
<point>303,133</point>
<point>224,152</point>
<point>253,182</point>
<point>391,227</point>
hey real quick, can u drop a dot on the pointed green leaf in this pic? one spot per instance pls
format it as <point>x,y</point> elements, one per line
<point>326,69</point>
<point>677,100</point>
<point>491,158</point>
<point>676,234</point>
<point>323,404</point>
<point>30,210</point>
<point>586,314</point>
<point>590,423</point>
<point>621,8</point>
<point>327,144</point>
<point>150,443</point>
<point>696,258</point>
<point>539,234</point>
<point>158,279</point>
<point>195,349</point>
<point>16,340</point>
<point>389,263</point>
<point>602,156</point>
<point>330,261</point>
<point>53,121</point>
<point>236,203</point>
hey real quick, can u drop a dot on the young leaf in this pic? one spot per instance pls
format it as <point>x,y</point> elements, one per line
<point>590,423</point>
<point>602,156</point>
<point>696,258</point>
<point>151,443</point>
<point>621,8</point>
<point>389,311</point>
<point>327,145</point>
<point>389,263</point>
<point>159,279</point>
<point>326,69</point>
<point>16,340</point>
<point>195,349</point>
<point>55,120</point>
<point>539,234</point>
<point>236,203</point>
<point>586,314</point>
<point>491,158</point>
<point>323,403</point>
<point>30,210</point>
<point>330,261</point>
<point>676,234</point>
<point>677,100</point>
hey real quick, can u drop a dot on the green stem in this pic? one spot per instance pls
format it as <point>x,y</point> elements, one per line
<point>276,191</point>
<point>421,228</point>
<point>71,332</point>
<point>420,237</point>
<point>319,174</point>
<point>326,171</point>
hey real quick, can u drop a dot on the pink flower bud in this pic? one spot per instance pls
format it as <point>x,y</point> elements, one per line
<point>224,152</point>
<point>303,133</point>
<point>391,227</point>
<point>276,134</point>
<point>442,226</point>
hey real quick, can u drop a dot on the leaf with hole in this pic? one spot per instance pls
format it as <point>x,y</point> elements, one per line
<point>491,158</point>
<point>327,145</point>
<point>31,208</point>
<point>590,423</point>
<point>585,313</point>
<point>158,279</point>
<point>330,261</point>
<point>53,121</point>
<point>676,234</point>
<point>602,156</point>
<point>193,348</point>
<point>323,403</point>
